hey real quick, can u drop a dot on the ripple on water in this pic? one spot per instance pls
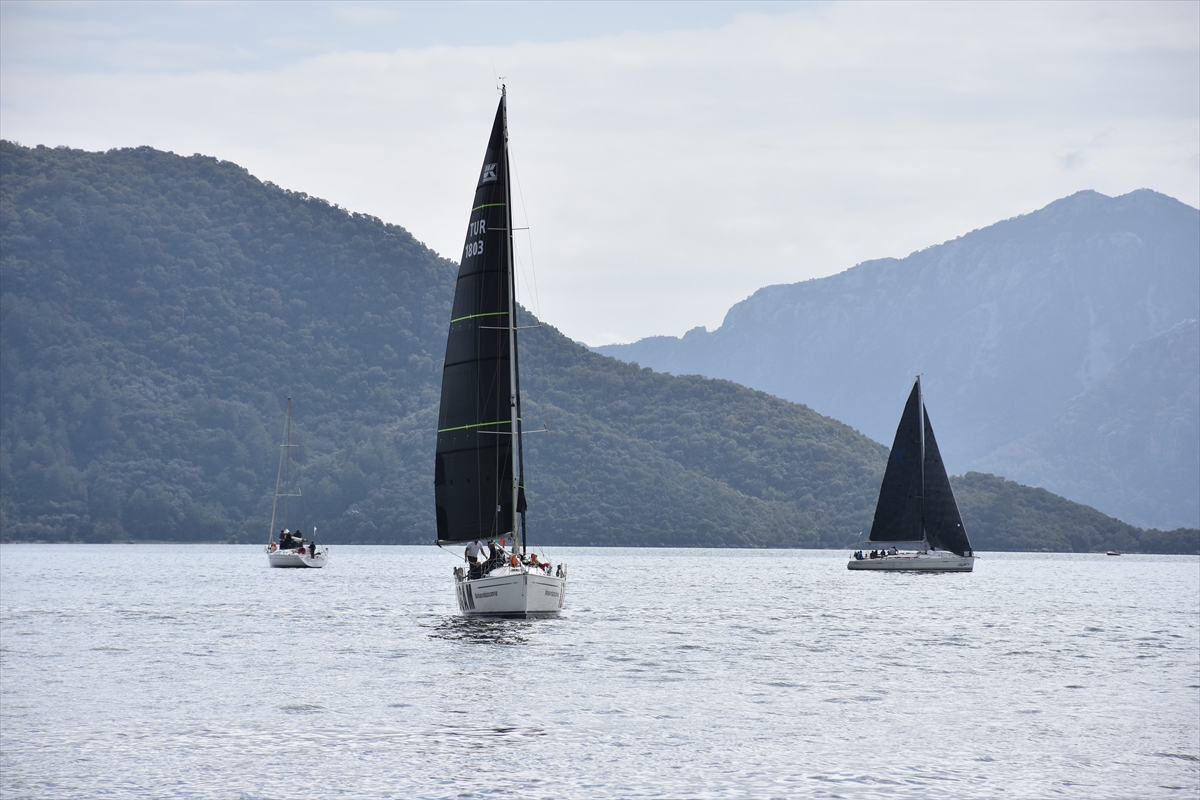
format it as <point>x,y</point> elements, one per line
<point>1016,682</point>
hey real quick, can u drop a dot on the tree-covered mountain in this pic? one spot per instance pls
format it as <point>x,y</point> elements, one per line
<point>156,312</point>
<point>1006,324</point>
<point>1004,515</point>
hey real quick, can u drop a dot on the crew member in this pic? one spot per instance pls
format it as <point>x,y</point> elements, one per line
<point>471,554</point>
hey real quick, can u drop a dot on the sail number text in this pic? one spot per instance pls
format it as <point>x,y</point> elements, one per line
<point>475,248</point>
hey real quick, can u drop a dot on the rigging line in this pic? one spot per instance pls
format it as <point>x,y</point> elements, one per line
<point>529,238</point>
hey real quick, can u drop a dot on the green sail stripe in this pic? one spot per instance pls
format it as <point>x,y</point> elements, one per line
<point>474,316</point>
<point>487,205</point>
<point>476,425</point>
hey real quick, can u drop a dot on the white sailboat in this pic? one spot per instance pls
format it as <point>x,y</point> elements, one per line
<point>291,549</point>
<point>479,484</point>
<point>917,526</point>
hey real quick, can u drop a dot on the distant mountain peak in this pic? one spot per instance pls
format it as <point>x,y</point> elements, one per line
<point>1008,322</point>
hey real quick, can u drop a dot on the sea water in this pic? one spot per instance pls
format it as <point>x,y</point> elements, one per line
<point>197,671</point>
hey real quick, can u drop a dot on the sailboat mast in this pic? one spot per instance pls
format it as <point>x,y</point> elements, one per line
<point>287,466</point>
<point>921,462</point>
<point>512,333</point>
<point>283,452</point>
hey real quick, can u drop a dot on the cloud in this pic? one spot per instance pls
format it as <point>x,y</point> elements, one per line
<point>667,174</point>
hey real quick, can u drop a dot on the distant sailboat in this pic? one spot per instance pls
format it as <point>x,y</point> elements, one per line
<point>917,525</point>
<point>479,466</point>
<point>292,549</point>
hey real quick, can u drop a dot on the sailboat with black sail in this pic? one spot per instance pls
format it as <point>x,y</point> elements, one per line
<point>917,525</point>
<point>479,484</point>
<point>291,549</point>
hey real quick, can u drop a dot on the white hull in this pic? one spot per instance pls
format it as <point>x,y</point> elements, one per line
<point>511,592</point>
<point>290,558</point>
<point>916,562</point>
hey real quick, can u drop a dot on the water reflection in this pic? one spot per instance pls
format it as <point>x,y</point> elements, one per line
<point>476,731</point>
<point>482,630</point>
<point>707,684</point>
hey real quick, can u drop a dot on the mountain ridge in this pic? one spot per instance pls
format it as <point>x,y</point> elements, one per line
<point>1164,446</point>
<point>156,311</point>
<point>1006,323</point>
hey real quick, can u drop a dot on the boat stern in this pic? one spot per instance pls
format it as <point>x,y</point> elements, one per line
<point>510,592</point>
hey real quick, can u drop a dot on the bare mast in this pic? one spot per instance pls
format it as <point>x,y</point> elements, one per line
<point>284,475</point>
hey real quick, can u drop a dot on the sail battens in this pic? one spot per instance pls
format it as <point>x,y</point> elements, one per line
<point>475,425</point>
<point>478,316</point>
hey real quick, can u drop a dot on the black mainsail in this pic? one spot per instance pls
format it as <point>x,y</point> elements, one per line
<point>478,438</point>
<point>916,503</point>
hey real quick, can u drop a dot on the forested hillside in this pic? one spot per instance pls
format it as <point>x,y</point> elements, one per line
<point>157,311</point>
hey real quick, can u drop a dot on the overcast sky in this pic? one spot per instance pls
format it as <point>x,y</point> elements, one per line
<point>672,158</point>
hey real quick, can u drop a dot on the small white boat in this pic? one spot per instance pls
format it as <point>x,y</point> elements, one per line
<point>917,527</point>
<point>1113,553</point>
<point>300,553</point>
<point>292,549</point>
<point>479,480</point>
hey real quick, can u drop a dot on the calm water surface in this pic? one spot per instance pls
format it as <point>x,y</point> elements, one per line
<point>196,671</point>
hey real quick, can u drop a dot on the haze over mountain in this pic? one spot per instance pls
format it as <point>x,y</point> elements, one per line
<point>157,311</point>
<point>1007,325</point>
<point>1141,419</point>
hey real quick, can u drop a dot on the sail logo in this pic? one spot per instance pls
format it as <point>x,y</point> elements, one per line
<point>489,173</point>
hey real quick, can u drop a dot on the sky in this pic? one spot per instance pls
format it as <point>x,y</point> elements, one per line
<point>671,158</point>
